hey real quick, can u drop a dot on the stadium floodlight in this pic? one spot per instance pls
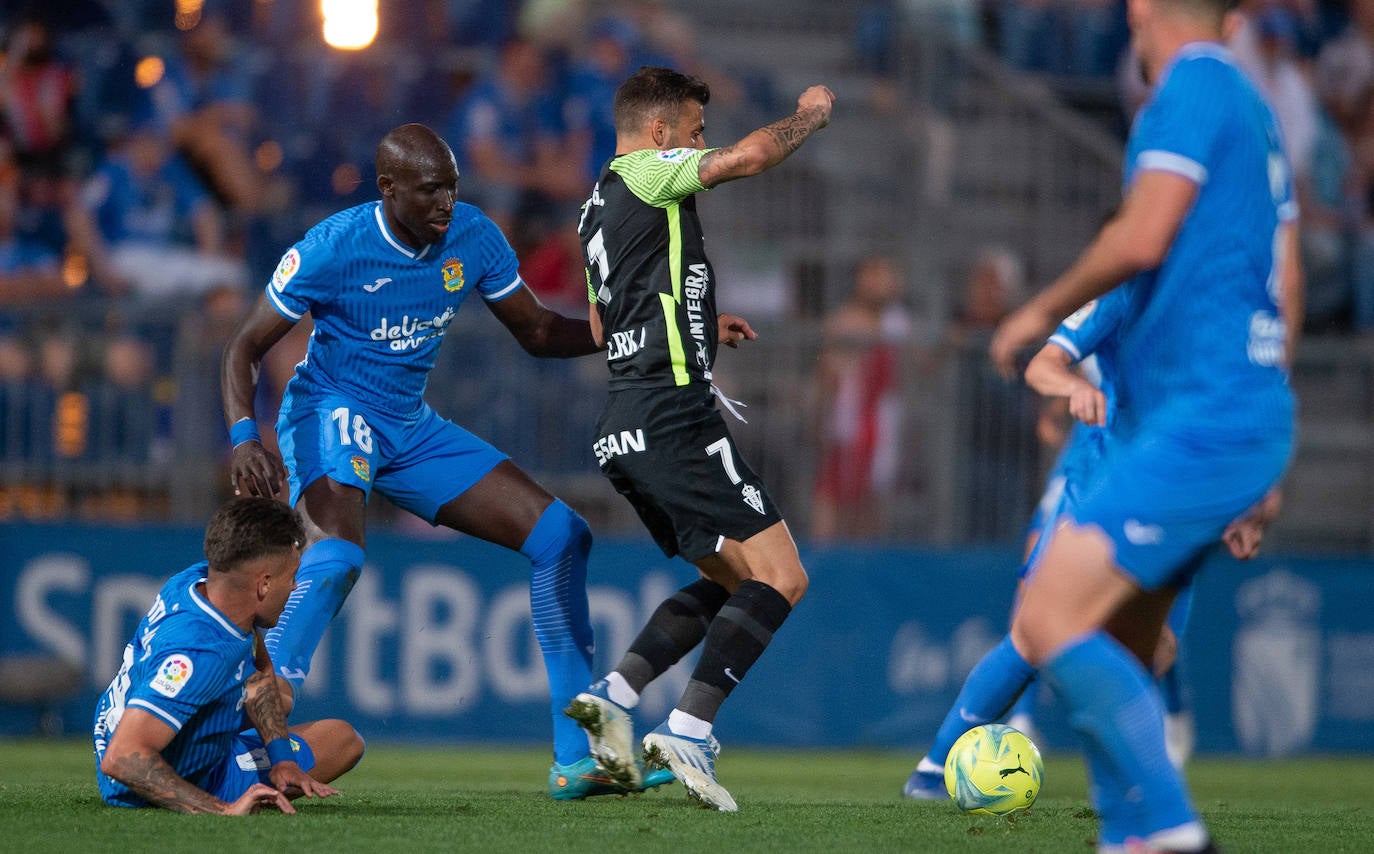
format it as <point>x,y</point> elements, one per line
<point>349,24</point>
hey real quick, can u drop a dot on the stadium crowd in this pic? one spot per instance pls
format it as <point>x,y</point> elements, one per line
<point>155,158</point>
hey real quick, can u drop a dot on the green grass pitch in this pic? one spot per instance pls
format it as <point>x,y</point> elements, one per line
<point>414,799</point>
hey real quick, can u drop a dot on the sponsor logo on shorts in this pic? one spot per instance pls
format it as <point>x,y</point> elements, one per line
<point>1142,534</point>
<point>753,497</point>
<point>172,675</point>
<point>453,275</point>
<point>616,444</point>
<point>286,268</point>
<point>362,468</point>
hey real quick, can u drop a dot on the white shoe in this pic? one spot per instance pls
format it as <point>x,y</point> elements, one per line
<point>692,761</point>
<point>610,733</point>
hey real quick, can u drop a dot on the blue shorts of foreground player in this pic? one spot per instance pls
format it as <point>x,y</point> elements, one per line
<point>421,462</point>
<point>1162,498</point>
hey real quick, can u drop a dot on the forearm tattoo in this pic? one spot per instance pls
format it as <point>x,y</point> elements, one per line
<point>263,706</point>
<point>788,134</point>
<point>151,778</point>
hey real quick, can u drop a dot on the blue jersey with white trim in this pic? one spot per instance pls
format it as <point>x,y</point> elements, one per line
<point>1089,336</point>
<point>380,307</point>
<point>187,666</point>
<point>1201,349</point>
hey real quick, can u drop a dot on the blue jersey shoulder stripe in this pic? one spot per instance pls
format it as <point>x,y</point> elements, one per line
<point>166,716</point>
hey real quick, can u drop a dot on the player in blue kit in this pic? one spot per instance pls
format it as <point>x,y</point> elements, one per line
<point>1077,365</point>
<point>1204,241</point>
<point>170,729</point>
<point>383,281</point>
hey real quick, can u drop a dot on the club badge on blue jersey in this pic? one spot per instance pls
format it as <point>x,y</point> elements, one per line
<point>453,275</point>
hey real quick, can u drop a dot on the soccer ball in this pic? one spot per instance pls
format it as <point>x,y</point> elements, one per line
<point>993,770</point>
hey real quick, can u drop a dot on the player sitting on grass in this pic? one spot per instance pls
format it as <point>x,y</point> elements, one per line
<point>170,729</point>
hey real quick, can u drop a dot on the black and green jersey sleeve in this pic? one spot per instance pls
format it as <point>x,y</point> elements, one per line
<point>647,269</point>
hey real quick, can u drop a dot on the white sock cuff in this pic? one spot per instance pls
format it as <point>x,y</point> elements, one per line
<point>620,691</point>
<point>681,723</point>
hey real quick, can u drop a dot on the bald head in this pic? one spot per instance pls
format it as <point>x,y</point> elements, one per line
<point>409,148</point>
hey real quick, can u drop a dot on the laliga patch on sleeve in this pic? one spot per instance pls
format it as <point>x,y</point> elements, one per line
<point>676,155</point>
<point>172,675</point>
<point>286,268</point>
<point>1076,319</point>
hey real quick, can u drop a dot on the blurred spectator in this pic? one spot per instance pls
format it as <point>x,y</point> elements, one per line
<point>148,226</point>
<point>508,137</point>
<point>858,386</point>
<point>37,95</point>
<point>607,60</point>
<point>1066,37</point>
<point>1001,445</point>
<point>29,270</point>
<point>1324,199</point>
<point>17,389</point>
<point>1345,69</point>
<point>204,103</point>
<point>60,411</point>
<point>1285,85</point>
<point>123,413</point>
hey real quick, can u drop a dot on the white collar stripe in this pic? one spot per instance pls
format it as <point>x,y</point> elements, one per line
<point>216,615</point>
<point>386,235</point>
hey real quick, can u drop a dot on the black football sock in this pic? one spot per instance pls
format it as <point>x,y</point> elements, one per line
<point>676,627</point>
<point>738,636</point>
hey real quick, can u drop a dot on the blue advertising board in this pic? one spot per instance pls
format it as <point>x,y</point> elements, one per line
<point>435,642</point>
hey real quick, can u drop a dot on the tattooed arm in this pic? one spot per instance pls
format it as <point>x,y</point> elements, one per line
<point>770,145</point>
<point>134,758</point>
<point>263,705</point>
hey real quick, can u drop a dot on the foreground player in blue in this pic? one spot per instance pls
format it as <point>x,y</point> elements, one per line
<point>383,281</point>
<point>1085,340</point>
<point>1204,239</point>
<point>170,729</point>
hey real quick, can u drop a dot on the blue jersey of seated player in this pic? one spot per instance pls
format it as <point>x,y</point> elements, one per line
<point>380,307</point>
<point>1201,347</point>
<point>186,666</point>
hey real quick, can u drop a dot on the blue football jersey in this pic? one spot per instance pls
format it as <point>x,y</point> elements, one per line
<point>1089,335</point>
<point>380,307</point>
<point>1201,348</point>
<point>186,665</point>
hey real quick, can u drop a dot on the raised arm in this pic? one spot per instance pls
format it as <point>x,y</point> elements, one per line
<point>254,469</point>
<point>769,145</point>
<point>542,331</point>
<point>134,758</point>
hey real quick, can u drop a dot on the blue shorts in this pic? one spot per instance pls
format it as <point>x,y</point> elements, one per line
<point>420,462</point>
<point>1163,499</point>
<point>247,764</point>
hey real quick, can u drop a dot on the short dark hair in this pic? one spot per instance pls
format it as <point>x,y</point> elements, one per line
<point>653,91</point>
<point>245,529</point>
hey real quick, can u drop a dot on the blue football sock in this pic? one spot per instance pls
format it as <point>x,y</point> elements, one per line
<point>558,548</point>
<point>326,575</point>
<point>1113,706</point>
<point>1025,704</point>
<point>991,687</point>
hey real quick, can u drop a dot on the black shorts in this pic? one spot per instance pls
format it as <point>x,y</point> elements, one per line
<point>668,451</point>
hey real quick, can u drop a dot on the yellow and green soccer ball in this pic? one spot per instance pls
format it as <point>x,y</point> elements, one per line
<point>993,770</point>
